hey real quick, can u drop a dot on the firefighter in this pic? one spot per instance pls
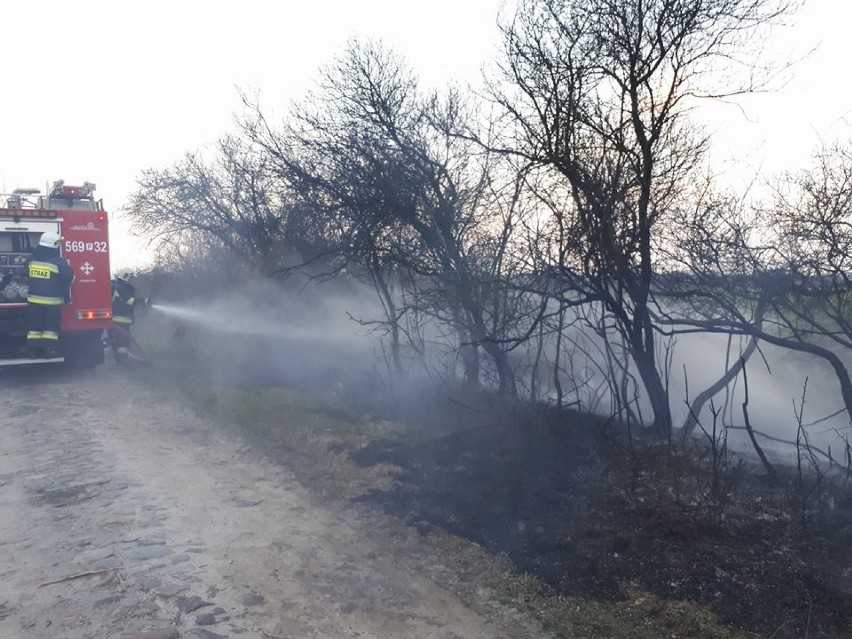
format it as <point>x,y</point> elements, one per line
<point>124,303</point>
<point>49,281</point>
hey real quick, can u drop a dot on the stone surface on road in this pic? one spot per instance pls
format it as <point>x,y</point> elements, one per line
<point>124,515</point>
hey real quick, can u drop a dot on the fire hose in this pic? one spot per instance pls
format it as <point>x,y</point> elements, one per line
<point>135,351</point>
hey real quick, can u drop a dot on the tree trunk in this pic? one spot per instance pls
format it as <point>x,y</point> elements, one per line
<point>557,357</point>
<point>505,374</point>
<point>382,288</point>
<point>704,396</point>
<point>470,358</point>
<point>653,384</point>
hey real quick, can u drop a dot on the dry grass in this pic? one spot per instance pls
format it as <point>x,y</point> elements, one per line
<point>286,421</point>
<point>315,436</point>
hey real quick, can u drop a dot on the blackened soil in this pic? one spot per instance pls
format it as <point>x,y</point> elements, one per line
<point>595,516</point>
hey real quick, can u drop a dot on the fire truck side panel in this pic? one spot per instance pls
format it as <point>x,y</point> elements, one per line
<point>19,234</point>
<point>85,244</point>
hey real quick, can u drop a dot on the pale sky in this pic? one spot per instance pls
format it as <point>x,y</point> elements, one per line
<point>99,91</point>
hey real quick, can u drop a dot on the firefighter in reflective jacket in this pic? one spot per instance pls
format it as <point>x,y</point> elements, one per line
<point>49,282</point>
<point>124,303</point>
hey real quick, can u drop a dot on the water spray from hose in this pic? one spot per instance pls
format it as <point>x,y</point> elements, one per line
<point>248,322</point>
<point>218,322</point>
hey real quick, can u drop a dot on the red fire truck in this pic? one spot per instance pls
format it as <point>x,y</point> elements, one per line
<point>74,213</point>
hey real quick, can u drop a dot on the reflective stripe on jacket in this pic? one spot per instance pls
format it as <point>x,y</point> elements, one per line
<point>49,277</point>
<point>123,301</point>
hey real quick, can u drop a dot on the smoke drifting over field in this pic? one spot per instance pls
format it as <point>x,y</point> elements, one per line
<point>776,381</point>
<point>323,337</point>
<point>578,510</point>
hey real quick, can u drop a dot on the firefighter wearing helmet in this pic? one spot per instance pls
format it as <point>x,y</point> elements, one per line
<point>124,303</point>
<point>49,281</point>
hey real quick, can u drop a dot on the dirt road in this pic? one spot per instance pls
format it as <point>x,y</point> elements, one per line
<point>124,515</point>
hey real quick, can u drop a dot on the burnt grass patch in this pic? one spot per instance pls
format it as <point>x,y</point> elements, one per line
<point>597,514</point>
<point>590,510</point>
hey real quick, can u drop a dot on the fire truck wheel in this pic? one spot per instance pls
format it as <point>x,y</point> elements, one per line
<point>83,351</point>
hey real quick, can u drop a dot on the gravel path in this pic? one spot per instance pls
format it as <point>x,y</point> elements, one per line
<point>124,515</point>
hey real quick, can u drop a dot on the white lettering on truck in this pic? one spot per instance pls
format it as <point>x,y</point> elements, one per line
<point>81,247</point>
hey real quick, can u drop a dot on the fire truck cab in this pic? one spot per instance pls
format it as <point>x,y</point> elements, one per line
<point>80,219</point>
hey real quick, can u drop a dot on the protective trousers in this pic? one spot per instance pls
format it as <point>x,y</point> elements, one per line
<point>120,339</point>
<point>43,323</point>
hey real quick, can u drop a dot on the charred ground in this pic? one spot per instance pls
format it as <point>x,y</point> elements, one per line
<point>593,517</point>
<point>675,538</point>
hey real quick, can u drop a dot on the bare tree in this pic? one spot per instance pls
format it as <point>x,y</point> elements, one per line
<point>232,201</point>
<point>779,274</point>
<point>810,229</point>
<point>597,92</point>
<point>401,190</point>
